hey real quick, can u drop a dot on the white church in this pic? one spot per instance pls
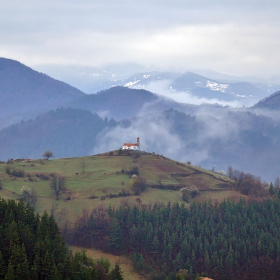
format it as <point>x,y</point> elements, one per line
<point>132,146</point>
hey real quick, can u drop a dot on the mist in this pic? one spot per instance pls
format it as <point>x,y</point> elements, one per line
<point>212,137</point>
<point>164,88</point>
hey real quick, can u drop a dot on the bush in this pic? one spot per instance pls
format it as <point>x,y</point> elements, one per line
<point>133,171</point>
<point>15,172</point>
<point>187,193</point>
<point>8,170</point>
<point>138,184</point>
<point>18,173</point>
<point>124,193</point>
<point>43,176</point>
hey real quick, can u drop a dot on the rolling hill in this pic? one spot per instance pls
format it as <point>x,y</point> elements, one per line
<point>106,178</point>
<point>66,132</point>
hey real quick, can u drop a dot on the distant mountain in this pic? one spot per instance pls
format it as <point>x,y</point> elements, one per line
<point>123,102</point>
<point>91,79</point>
<point>271,102</point>
<point>198,86</point>
<point>200,83</point>
<point>24,91</point>
<point>66,132</point>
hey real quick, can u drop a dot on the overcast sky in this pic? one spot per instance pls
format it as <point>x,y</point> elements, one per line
<point>240,37</point>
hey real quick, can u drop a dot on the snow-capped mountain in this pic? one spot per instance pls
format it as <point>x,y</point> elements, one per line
<point>197,86</point>
<point>186,87</point>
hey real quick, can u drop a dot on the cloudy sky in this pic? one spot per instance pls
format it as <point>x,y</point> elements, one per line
<point>232,37</point>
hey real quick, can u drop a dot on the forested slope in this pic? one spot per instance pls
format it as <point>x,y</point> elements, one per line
<point>224,241</point>
<point>31,248</point>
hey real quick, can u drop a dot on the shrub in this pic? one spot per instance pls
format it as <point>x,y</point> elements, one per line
<point>15,172</point>
<point>189,193</point>
<point>133,171</point>
<point>8,170</point>
<point>138,184</point>
<point>18,173</point>
<point>43,176</point>
<point>124,193</point>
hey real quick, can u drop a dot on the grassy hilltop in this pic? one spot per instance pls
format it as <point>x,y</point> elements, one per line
<point>106,179</point>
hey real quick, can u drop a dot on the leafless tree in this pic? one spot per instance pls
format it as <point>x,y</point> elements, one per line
<point>57,184</point>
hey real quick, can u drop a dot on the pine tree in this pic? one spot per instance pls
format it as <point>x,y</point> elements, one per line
<point>116,273</point>
<point>18,263</point>
<point>2,266</point>
<point>115,235</point>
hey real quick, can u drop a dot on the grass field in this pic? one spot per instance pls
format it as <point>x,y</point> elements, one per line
<point>99,179</point>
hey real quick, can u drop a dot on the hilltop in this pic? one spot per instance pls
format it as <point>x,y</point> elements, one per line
<point>106,179</point>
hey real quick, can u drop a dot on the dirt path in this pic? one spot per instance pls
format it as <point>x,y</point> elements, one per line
<point>124,262</point>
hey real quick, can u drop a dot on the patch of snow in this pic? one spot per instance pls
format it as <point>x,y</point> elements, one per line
<point>129,84</point>
<point>216,86</point>
<point>146,76</point>
<point>239,95</point>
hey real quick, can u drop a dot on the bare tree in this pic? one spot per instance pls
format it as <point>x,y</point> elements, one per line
<point>57,184</point>
<point>29,195</point>
<point>59,214</point>
<point>230,172</point>
<point>47,154</point>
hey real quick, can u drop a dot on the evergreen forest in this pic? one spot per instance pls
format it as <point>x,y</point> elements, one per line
<point>31,248</point>
<point>227,240</point>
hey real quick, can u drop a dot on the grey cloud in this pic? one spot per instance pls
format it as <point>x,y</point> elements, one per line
<point>155,136</point>
<point>237,37</point>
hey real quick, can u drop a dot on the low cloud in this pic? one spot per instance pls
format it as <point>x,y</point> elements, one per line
<point>212,137</point>
<point>163,88</point>
<point>155,136</point>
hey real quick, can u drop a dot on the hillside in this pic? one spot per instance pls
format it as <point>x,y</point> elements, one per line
<point>106,179</point>
<point>66,132</point>
<point>271,102</point>
<point>124,103</point>
<point>25,91</point>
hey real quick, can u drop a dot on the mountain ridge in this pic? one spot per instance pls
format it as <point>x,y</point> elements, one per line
<point>24,90</point>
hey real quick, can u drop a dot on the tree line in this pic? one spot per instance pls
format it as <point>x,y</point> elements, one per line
<point>223,241</point>
<point>31,247</point>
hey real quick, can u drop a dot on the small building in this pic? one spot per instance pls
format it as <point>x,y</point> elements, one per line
<point>132,146</point>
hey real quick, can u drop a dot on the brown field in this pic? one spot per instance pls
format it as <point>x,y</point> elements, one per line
<point>124,262</point>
